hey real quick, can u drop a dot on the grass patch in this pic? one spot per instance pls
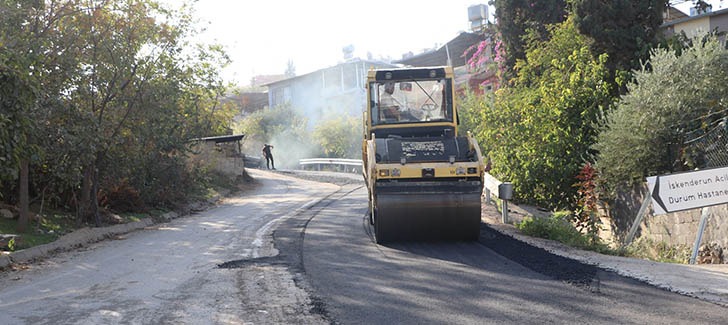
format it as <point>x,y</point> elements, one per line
<point>658,251</point>
<point>557,227</point>
<point>7,226</point>
<point>133,216</point>
<point>41,232</point>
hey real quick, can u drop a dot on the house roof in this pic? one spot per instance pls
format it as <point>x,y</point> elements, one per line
<point>672,14</point>
<point>222,138</point>
<point>262,80</point>
<point>253,99</point>
<point>689,18</point>
<point>456,48</point>
<point>352,61</point>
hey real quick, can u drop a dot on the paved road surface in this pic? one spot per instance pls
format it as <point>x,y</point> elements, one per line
<point>298,252</point>
<point>496,280</point>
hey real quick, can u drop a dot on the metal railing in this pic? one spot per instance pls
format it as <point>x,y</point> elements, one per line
<point>337,163</point>
<point>503,190</point>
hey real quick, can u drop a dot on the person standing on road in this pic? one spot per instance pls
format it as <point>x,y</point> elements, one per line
<point>268,156</point>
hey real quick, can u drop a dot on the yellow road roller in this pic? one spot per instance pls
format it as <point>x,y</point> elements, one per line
<point>424,181</point>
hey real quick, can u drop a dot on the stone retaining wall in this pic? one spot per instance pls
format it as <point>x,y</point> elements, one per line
<point>681,228</point>
<point>677,228</point>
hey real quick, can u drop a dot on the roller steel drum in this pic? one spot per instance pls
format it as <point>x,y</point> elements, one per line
<point>427,211</point>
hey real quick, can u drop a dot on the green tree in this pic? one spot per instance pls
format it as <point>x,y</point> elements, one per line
<point>18,97</point>
<point>538,133</point>
<point>114,93</point>
<point>120,45</point>
<point>469,111</point>
<point>282,127</point>
<point>677,94</point>
<point>516,19</point>
<point>626,30</point>
<point>22,55</point>
<point>340,137</point>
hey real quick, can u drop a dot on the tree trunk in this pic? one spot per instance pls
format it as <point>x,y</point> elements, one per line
<point>85,203</point>
<point>95,196</point>
<point>23,196</point>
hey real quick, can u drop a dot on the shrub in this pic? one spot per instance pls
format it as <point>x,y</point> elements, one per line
<point>586,217</point>
<point>539,131</point>
<point>123,197</point>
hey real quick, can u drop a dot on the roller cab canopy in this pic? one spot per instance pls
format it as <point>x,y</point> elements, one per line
<point>411,102</point>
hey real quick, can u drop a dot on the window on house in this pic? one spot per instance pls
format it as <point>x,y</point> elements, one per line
<point>350,77</point>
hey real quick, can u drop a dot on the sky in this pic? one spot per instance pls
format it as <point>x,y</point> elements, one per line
<point>262,36</point>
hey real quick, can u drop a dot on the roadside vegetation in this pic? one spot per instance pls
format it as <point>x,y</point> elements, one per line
<point>295,137</point>
<point>99,101</point>
<point>559,227</point>
<point>583,111</point>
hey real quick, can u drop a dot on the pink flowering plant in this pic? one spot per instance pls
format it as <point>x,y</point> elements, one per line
<point>486,55</point>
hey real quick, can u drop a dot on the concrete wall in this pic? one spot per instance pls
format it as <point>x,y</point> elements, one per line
<point>720,22</point>
<point>221,157</point>
<point>694,27</point>
<point>681,228</point>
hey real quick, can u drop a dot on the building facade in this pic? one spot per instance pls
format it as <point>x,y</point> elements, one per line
<point>326,93</point>
<point>698,24</point>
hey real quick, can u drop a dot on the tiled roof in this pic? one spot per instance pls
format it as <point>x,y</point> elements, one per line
<point>456,47</point>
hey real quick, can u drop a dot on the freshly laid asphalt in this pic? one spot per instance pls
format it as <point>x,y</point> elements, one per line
<point>708,282</point>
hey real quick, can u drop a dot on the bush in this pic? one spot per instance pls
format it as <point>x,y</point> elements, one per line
<point>123,197</point>
<point>284,128</point>
<point>340,137</point>
<point>539,131</point>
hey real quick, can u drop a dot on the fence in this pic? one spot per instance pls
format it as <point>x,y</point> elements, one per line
<point>710,149</point>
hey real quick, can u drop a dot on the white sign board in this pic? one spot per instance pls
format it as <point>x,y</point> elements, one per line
<point>690,190</point>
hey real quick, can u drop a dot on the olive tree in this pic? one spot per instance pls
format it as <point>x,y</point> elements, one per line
<point>671,95</point>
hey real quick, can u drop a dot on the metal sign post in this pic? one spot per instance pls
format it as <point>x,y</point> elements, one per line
<point>696,247</point>
<point>637,221</point>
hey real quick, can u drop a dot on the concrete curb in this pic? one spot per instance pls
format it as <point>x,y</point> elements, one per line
<point>80,238</point>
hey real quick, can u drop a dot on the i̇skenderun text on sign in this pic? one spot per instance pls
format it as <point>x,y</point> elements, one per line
<point>689,190</point>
